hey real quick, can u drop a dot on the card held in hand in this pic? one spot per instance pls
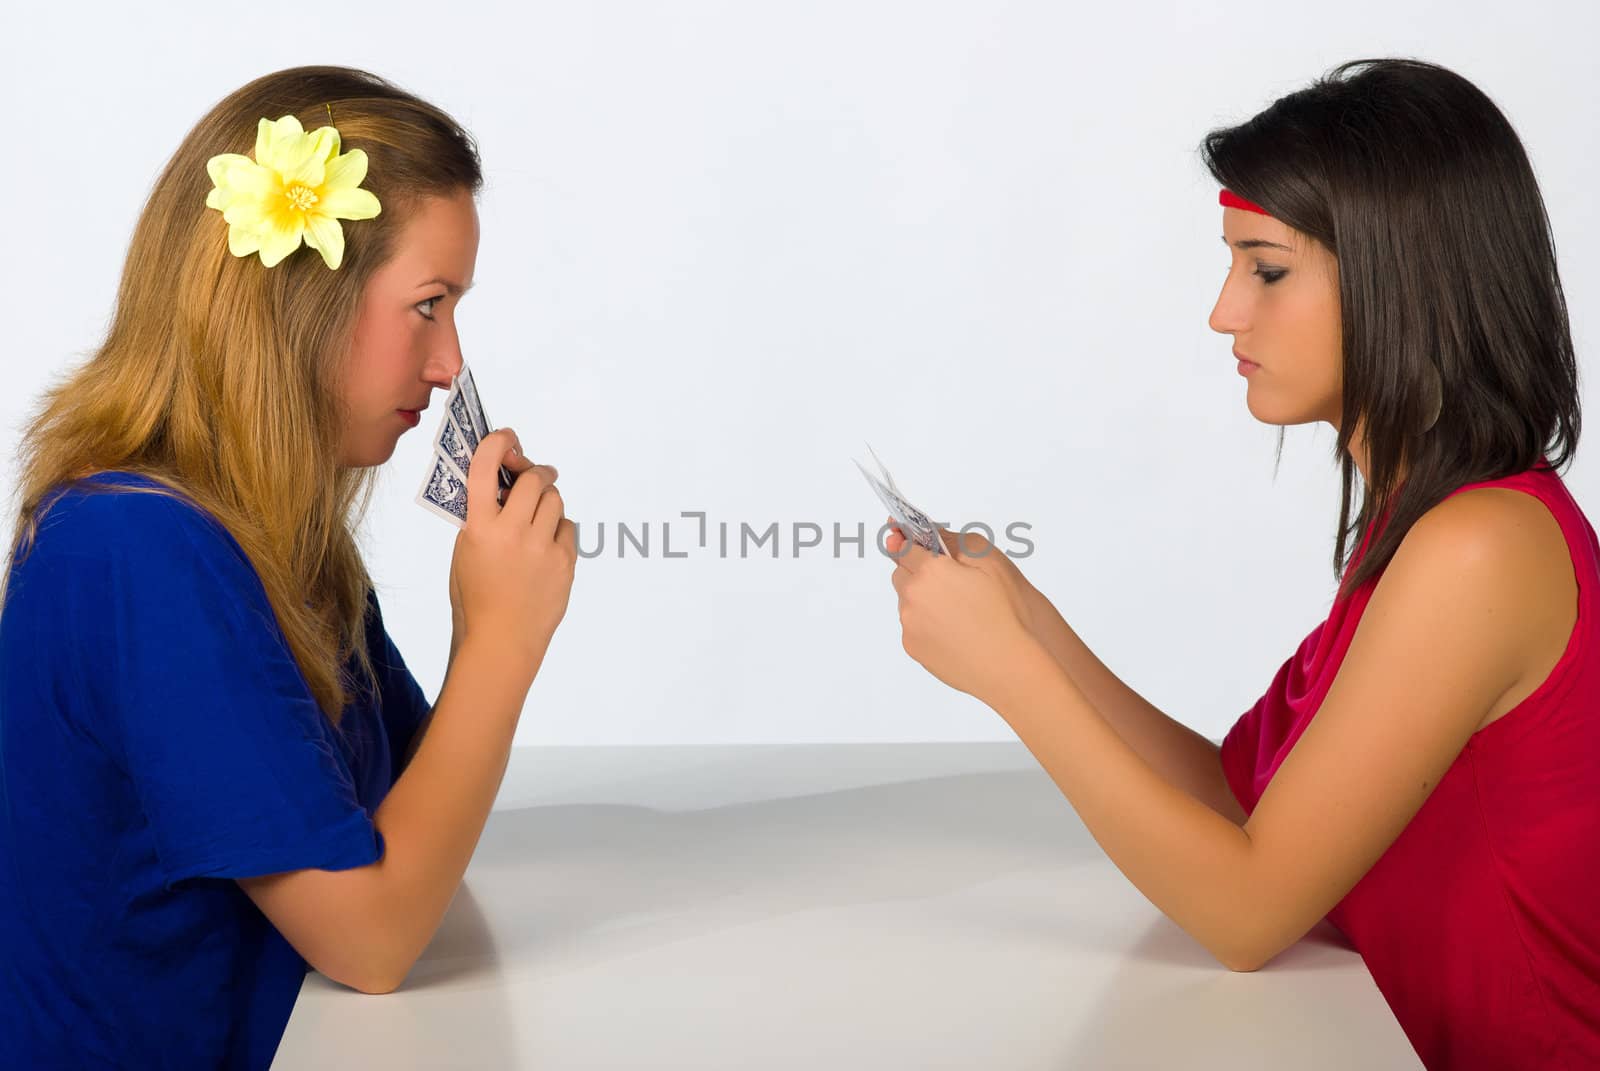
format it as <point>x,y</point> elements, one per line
<point>469,391</point>
<point>452,444</point>
<point>912,521</point>
<point>444,492</point>
<point>462,426</point>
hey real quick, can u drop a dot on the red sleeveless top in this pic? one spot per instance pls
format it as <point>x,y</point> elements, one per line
<point>1481,923</point>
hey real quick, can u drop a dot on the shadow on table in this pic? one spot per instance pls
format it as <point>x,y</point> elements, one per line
<point>359,1030</point>
<point>1234,1020</point>
<point>585,883</point>
<point>557,888</point>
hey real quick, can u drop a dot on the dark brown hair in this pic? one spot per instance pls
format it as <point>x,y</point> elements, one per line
<point>1458,356</point>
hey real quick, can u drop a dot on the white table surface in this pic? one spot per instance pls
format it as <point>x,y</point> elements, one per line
<point>824,906</point>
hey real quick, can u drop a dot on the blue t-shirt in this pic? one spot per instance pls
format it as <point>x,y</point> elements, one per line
<point>157,741</point>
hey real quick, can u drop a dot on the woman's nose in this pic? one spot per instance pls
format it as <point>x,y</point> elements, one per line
<point>444,367</point>
<point>1228,314</point>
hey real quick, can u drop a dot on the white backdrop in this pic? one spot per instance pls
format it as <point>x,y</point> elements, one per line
<point>724,244</point>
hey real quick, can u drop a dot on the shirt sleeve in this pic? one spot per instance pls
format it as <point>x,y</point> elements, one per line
<point>238,770</point>
<point>403,702</point>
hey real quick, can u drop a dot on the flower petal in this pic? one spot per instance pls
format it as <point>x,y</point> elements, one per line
<point>253,199</point>
<point>349,204</point>
<point>285,150</point>
<point>228,172</point>
<point>249,179</point>
<point>270,135</point>
<point>306,164</point>
<point>245,212</point>
<point>278,240</point>
<point>219,166</point>
<point>331,146</point>
<point>242,241</point>
<point>324,234</point>
<point>345,172</point>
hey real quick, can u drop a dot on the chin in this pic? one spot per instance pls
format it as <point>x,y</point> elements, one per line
<point>1261,412</point>
<point>1266,412</point>
<point>367,455</point>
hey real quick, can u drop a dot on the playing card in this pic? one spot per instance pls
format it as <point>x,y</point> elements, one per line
<point>469,391</point>
<point>444,493</point>
<point>916,524</point>
<point>452,444</point>
<point>459,411</point>
<point>475,411</point>
<point>462,426</point>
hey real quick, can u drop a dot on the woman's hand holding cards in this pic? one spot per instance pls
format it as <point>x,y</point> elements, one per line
<point>512,570</point>
<point>976,550</point>
<point>967,615</point>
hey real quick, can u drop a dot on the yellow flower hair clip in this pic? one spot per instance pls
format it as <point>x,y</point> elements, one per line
<point>298,186</point>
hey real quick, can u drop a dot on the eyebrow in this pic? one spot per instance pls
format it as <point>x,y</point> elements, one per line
<point>1256,243</point>
<point>454,288</point>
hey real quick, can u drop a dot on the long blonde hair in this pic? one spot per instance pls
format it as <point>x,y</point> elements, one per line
<point>220,378</point>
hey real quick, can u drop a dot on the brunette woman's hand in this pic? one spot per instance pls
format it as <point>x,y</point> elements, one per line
<point>511,574</point>
<point>978,551</point>
<point>960,621</point>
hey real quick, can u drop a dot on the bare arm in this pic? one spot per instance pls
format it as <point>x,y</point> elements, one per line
<point>1445,634</point>
<point>510,581</point>
<point>1176,752</point>
<point>1183,757</point>
<point>456,630</point>
<point>366,926</point>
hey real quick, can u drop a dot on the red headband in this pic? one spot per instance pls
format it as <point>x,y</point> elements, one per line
<point>1229,199</point>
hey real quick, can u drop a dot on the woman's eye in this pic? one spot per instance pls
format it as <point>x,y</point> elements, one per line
<point>430,303</point>
<point>1269,277</point>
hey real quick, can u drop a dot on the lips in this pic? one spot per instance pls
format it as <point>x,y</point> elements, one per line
<point>1245,359</point>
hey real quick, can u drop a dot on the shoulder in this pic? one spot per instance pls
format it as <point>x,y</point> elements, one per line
<point>1438,647</point>
<point>1498,530</point>
<point>112,514</point>
<point>125,537</point>
<point>1494,555</point>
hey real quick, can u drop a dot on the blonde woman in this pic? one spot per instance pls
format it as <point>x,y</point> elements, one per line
<point>215,767</point>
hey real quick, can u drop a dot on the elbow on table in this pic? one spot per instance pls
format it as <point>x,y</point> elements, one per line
<point>374,963</point>
<point>378,987</point>
<point>349,925</point>
<point>1244,950</point>
<point>373,979</point>
<point>1250,935</point>
<point>1242,965</point>
<point>1247,954</point>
